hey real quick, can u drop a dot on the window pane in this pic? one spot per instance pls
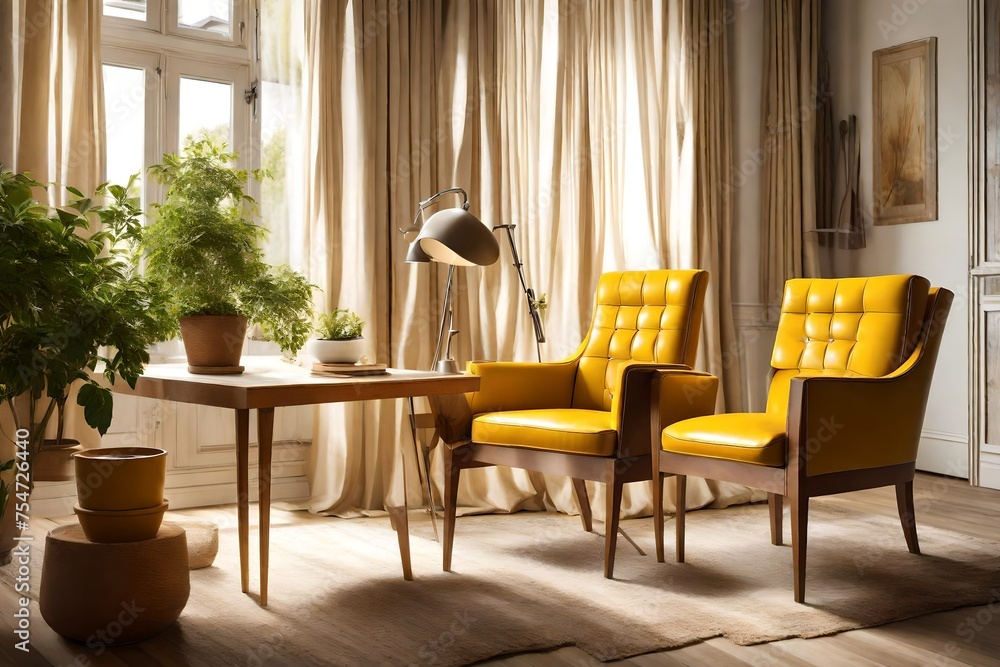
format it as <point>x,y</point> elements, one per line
<point>211,15</point>
<point>206,109</point>
<point>125,113</point>
<point>126,9</point>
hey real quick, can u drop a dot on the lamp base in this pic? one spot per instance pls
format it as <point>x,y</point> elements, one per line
<point>448,366</point>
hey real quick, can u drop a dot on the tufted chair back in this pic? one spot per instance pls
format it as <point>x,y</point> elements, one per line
<point>640,316</point>
<point>846,327</point>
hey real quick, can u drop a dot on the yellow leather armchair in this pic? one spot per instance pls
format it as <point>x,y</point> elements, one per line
<point>851,371</point>
<point>587,417</point>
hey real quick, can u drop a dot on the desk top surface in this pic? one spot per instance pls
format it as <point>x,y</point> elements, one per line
<point>271,382</point>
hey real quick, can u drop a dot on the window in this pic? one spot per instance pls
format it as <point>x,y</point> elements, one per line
<point>156,98</point>
<point>180,69</point>
<point>211,15</point>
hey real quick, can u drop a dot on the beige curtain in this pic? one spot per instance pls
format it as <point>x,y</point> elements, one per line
<point>51,100</point>
<point>708,115</point>
<point>788,136</point>
<point>52,109</point>
<point>558,116</point>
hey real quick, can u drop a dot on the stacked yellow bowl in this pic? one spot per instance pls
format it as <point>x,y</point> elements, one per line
<point>120,492</point>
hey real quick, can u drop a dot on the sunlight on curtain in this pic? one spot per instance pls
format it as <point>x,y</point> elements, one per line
<point>281,132</point>
<point>52,113</point>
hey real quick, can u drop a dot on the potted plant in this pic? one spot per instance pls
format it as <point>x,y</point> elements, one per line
<point>340,339</point>
<point>76,299</point>
<point>204,245</point>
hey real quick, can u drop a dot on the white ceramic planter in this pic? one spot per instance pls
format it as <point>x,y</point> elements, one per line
<point>336,351</point>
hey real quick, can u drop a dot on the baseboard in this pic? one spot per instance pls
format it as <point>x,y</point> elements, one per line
<point>944,453</point>
<point>989,471</point>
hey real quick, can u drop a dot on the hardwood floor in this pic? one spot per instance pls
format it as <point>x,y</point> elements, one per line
<point>968,636</point>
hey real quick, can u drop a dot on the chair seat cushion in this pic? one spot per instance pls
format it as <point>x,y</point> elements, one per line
<point>746,437</point>
<point>568,430</point>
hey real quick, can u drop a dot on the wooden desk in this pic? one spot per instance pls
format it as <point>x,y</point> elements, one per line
<point>269,383</point>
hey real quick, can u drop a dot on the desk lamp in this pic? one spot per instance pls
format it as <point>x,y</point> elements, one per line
<point>454,237</point>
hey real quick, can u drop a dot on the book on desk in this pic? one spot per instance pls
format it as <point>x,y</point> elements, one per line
<point>342,370</point>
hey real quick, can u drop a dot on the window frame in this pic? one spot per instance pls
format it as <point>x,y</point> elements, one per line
<point>152,22</point>
<point>152,65</point>
<point>133,43</point>
<point>239,25</point>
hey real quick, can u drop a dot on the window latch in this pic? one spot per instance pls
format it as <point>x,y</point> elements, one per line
<point>250,97</point>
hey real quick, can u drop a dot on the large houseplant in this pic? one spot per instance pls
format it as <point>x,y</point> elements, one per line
<point>204,245</point>
<point>71,299</point>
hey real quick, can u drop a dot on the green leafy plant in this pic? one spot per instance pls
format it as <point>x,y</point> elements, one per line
<point>72,299</point>
<point>204,244</point>
<point>341,324</point>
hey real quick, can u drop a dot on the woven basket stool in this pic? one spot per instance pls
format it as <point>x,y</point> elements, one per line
<point>113,594</point>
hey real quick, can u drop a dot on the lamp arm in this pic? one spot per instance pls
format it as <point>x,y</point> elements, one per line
<point>414,227</point>
<point>445,313</point>
<point>529,294</point>
<point>465,198</point>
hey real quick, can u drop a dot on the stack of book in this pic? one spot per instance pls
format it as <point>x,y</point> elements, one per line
<point>344,370</point>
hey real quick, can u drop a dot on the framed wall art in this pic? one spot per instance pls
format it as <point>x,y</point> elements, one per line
<point>904,133</point>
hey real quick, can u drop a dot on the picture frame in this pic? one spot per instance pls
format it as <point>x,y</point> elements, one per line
<point>904,133</point>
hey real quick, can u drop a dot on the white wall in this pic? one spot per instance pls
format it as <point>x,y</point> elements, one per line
<point>853,30</point>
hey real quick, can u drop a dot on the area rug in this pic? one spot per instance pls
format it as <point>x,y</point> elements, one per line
<point>531,581</point>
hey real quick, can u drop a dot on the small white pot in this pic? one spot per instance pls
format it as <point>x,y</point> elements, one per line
<point>336,351</point>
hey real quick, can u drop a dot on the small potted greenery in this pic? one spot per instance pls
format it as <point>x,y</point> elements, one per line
<point>339,337</point>
<point>73,298</point>
<point>203,244</point>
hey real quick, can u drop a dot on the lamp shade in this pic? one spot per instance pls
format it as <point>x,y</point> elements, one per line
<point>416,254</point>
<point>455,236</point>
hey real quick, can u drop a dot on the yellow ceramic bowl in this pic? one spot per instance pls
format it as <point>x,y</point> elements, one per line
<point>106,526</point>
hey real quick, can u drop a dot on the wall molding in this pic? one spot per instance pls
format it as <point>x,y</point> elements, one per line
<point>752,315</point>
<point>52,499</point>
<point>946,436</point>
<point>755,339</point>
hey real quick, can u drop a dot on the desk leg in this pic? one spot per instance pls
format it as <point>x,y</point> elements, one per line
<point>243,493</point>
<point>400,521</point>
<point>265,432</point>
<point>423,466</point>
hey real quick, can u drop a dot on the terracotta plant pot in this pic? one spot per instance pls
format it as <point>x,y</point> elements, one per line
<point>120,478</point>
<point>54,462</point>
<point>214,343</point>
<point>327,351</point>
<point>112,526</point>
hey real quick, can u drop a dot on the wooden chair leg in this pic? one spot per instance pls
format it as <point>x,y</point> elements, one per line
<point>680,500</point>
<point>774,508</point>
<point>451,477</point>
<point>658,513</point>
<point>800,523</point>
<point>904,503</point>
<point>586,517</point>
<point>612,508</point>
